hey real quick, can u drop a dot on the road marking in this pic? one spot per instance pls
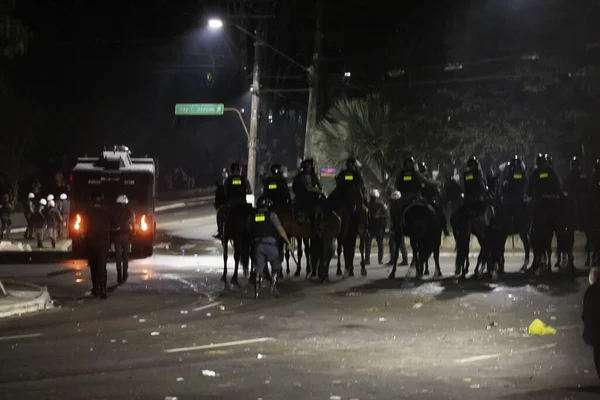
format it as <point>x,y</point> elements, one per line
<point>206,306</point>
<point>161,245</point>
<point>163,225</point>
<point>30,335</point>
<point>217,345</point>
<point>169,207</point>
<point>187,246</point>
<point>498,355</point>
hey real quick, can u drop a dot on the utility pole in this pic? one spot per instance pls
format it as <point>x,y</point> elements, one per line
<point>313,96</point>
<point>254,109</point>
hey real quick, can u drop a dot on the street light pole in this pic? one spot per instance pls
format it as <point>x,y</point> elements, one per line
<point>313,96</point>
<point>255,106</point>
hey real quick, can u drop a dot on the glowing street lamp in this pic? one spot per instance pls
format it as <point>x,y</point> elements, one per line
<point>215,23</point>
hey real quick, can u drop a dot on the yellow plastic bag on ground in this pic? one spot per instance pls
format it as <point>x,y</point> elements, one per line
<point>538,328</point>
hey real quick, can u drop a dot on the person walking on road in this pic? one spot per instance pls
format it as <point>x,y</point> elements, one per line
<point>64,207</point>
<point>5,214</point>
<point>28,212</point>
<point>100,225</point>
<point>378,217</point>
<point>38,222</point>
<point>125,219</point>
<point>53,222</point>
<point>264,228</point>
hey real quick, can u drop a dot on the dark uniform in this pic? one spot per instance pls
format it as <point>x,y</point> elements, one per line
<point>378,216</point>
<point>125,219</point>
<point>304,185</point>
<point>577,182</point>
<point>545,183</point>
<point>28,211</point>
<point>5,217</point>
<point>431,193</point>
<point>235,189</point>
<point>262,226</point>
<point>99,225</point>
<point>514,183</point>
<point>276,188</point>
<point>38,223</point>
<point>395,210</point>
<point>350,179</point>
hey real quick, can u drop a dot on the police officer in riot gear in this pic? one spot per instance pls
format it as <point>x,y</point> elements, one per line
<point>99,226</point>
<point>545,182</point>
<point>6,209</point>
<point>264,228</point>
<point>378,216</point>
<point>409,181</point>
<point>577,183</point>
<point>38,222</point>
<point>514,182</point>
<point>431,193</point>
<point>236,188</point>
<point>307,188</point>
<point>350,177</point>
<point>276,188</point>
<point>474,182</point>
<point>125,219</point>
<point>28,211</point>
<point>395,210</point>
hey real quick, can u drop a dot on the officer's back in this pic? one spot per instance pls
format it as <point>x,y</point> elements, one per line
<point>99,224</point>
<point>409,181</point>
<point>545,182</point>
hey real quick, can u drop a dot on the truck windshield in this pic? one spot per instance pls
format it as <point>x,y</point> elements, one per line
<point>138,187</point>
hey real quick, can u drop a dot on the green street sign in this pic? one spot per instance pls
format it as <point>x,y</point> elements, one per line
<point>199,109</point>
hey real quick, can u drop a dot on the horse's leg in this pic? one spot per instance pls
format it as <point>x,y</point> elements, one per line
<point>287,258</point>
<point>225,256</point>
<point>339,257</point>
<point>236,258</point>
<point>436,260</point>
<point>299,255</point>
<point>361,248</point>
<point>310,267</point>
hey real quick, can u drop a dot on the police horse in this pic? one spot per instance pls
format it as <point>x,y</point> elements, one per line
<point>422,225</point>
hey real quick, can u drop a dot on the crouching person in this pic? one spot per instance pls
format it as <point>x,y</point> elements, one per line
<point>591,316</point>
<point>264,228</point>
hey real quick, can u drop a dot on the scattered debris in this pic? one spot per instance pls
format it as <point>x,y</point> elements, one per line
<point>154,334</point>
<point>467,379</point>
<point>141,320</point>
<point>553,318</point>
<point>179,379</point>
<point>386,304</point>
<point>353,294</point>
<point>267,382</point>
<point>222,307</point>
<point>332,397</point>
<point>382,319</point>
<point>491,325</point>
<point>184,326</point>
<point>537,327</point>
<point>170,398</point>
<point>183,312</point>
<point>260,356</point>
<point>208,314</point>
<point>418,305</point>
<point>475,386</point>
<point>261,317</point>
<point>124,341</point>
<point>135,317</point>
<point>208,372</point>
<point>113,341</point>
<point>372,309</point>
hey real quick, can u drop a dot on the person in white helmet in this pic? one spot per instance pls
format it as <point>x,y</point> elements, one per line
<point>53,221</point>
<point>125,219</point>
<point>64,207</point>
<point>38,222</point>
<point>50,197</point>
<point>28,211</point>
<point>378,216</point>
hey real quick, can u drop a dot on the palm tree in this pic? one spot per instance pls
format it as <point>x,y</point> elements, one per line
<point>363,128</point>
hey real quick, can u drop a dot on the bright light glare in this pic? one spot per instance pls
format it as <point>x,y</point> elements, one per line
<point>144,224</point>
<point>215,23</point>
<point>347,74</point>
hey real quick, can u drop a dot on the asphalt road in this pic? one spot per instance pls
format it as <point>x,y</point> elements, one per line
<point>174,330</point>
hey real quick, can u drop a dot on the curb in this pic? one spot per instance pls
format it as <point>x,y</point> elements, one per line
<point>41,302</point>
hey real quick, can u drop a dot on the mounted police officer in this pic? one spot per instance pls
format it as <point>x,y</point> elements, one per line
<point>307,188</point>
<point>431,193</point>
<point>474,183</point>
<point>236,188</point>
<point>545,182</point>
<point>514,182</point>
<point>350,178</point>
<point>409,181</point>
<point>264,228</point>
<point>276,188</point>
<point>378,216</point>
<point>577,182</point>
<point>125,219</point>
